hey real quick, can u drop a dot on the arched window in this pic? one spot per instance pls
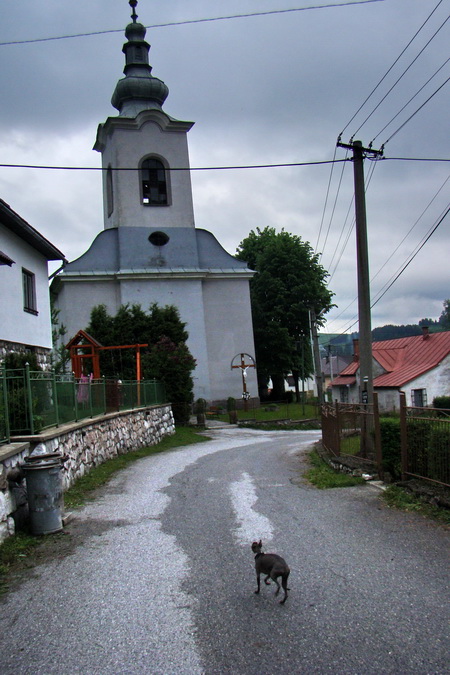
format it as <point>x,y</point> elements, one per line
<point>154,183</point>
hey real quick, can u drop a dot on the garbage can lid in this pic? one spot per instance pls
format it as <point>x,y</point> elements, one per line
<point>42,461</point>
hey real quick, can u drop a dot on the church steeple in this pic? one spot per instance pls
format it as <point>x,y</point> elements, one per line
<point>138,90</point>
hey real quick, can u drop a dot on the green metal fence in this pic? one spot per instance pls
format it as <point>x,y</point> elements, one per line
<point>31,401</point>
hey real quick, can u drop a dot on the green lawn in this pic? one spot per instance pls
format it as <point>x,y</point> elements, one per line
<point>280,411</point>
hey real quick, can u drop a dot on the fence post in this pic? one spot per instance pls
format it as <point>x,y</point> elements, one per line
<point>377,433</point>
<point>337,448</point>
<point>403,435</point>
<point>5,404</point>
<point>29,397</point>
<point>75,397</point>
<point>104,394</point>
<point>55,398</point>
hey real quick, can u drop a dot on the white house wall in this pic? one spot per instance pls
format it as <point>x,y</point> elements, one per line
<point>436,382</point>
<point>17,325</point>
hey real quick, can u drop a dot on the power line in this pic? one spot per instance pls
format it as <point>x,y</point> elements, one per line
<point>408,102</point>
<point>221,168</point>
<point>391,67</point>
<point>415,113</point>
<point>194,21</point>
<point>402,75</point>
<point>413,256</point>
<point>175,168</point>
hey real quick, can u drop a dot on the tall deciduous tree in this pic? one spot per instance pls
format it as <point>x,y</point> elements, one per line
<point>444,319</point>
<point>166,359</point>
<point>289,283</point>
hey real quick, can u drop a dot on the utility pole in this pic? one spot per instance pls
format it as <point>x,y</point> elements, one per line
<point>365,328</point>
<point>316,355</point>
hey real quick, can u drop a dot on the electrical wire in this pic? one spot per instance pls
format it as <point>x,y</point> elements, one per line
<point>401,76</point>
<point>391,67</point>
<point>194,21</point>
<point>221,168</point>
<point>408,102</point>
<point>326,201</point>
<point>334,207</point>
<point>415,113</point>
<point>430,234</point>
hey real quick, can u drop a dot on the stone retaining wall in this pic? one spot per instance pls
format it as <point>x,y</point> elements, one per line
<point>84,445</point>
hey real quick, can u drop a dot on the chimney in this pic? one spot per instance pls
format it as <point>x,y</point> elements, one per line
<point>425,333</point>
<point>355,349</point>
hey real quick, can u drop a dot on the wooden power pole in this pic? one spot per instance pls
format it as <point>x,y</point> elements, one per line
<point>362,253</point>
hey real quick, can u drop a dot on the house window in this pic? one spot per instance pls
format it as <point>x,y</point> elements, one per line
<point>154,183</point>
<point>419,398</point>
<point>29,292</point>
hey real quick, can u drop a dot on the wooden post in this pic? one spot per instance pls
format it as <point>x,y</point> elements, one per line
<point>377,431</point>
<point>403,435</point>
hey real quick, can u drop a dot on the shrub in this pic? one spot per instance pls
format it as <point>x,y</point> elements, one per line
<point>442,402</point>
<point>231,404</point>
<point>391,446</point>
<point>439,454</point>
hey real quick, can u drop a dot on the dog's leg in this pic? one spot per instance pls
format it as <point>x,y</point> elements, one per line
<point>284,580</point>
<point>258,581</point>
<point>265,580</point>
<point>274,577</point>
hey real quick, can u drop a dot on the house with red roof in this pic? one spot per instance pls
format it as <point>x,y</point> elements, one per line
<point>419,366</point>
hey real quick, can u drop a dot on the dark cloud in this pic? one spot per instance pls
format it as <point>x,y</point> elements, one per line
<point>261,90</point>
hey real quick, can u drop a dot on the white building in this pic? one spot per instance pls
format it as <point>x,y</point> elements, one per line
<point>150,250</point>
<point>24,292</point>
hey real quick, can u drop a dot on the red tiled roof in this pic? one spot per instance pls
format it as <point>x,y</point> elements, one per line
<point>404,359</point>
<point>343,379</point>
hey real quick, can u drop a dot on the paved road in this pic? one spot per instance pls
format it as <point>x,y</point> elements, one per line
<point>164,580</point>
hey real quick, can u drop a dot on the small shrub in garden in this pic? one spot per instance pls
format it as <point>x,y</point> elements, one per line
<point>439,454</point>
<point>391,446</point>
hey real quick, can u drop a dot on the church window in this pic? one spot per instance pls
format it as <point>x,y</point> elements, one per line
<point>154,183</point>
<point>109,190</point>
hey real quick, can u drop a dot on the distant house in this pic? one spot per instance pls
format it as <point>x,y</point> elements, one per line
<point>24,290</point>
<point>419,366</point>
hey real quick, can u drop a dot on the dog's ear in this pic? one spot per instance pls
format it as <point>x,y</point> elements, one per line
<point>260,543</point>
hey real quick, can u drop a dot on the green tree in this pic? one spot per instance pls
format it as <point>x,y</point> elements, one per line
<point>289,283</point>
<point>444,319</point>
<point>167,357</point>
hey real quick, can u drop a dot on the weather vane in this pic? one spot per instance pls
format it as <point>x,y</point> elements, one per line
<point>133,4</point>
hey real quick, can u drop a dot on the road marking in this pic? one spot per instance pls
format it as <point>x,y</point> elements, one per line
<point>251,524</point>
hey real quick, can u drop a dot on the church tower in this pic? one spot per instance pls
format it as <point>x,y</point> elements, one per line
<point>146,142</point>
<point>150,250</point>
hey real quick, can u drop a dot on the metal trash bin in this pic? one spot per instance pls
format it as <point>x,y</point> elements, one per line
<point>44,492</point>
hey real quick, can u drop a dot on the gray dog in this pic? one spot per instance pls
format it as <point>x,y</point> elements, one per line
<point>273,566</point>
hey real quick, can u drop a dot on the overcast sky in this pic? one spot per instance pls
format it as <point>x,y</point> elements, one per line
<point>268,89</point>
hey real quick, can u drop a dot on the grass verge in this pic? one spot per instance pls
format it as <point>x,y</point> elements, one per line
<point>22,545</point>
<point>324,477</point>
<point>400,498</point>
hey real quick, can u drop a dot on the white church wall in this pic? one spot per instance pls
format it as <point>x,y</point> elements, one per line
<point>229,332</point>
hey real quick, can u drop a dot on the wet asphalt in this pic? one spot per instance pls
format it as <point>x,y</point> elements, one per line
<point>164,580</point>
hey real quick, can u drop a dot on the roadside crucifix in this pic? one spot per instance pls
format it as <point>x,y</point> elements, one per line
<point>244,366</point>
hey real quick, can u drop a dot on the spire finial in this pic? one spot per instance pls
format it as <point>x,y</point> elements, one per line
<point>133,4</point>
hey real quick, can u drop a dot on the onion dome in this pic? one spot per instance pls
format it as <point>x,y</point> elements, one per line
<point>138,90</point>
